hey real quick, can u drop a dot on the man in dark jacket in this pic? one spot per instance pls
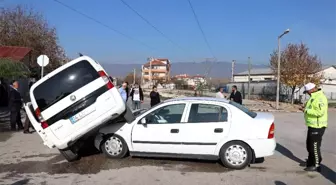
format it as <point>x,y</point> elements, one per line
<point>137,96</point>
<point>236,95</point>
<point>15,104</point>
<point>154,96</point>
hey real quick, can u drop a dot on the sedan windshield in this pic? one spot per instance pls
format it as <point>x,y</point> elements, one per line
<point>244,109</point>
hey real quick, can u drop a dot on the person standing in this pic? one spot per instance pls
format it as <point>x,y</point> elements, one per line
<point>122,91</point>
<point>236,95</point>
<point>316,119</point>
<point>27,123</point>
<point>137,96</point>
<point>154,97</point>
<point>15,104</point>
<point>220,94</point>
<point>127,91</point>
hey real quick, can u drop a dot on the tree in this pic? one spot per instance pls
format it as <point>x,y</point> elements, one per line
<point>20,26</point>
<point>12,69</point>
<point>297,66</point>
<point>130,78</point>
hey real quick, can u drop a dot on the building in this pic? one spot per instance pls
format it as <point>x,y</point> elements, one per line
<point>263,82</point>
<point>256,75</point>
<point>21,54</point>
<point>191,80</point>
<point>156,70</point>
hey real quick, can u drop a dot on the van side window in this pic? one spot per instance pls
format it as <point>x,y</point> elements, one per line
<point>64,83</point>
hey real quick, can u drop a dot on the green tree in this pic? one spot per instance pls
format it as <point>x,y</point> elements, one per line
<point>12,69</point>
<point>297,66</point>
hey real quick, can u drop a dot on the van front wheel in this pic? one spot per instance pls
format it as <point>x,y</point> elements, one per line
<point>69,155</point>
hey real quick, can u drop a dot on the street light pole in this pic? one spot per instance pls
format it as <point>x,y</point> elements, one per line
<point>278,78</point>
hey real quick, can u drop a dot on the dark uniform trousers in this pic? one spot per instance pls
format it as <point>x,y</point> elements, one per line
<point>313,144</point>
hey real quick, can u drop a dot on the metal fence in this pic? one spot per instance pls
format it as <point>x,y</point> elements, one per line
<point>266,90</point>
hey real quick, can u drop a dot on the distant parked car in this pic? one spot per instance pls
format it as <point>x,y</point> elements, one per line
<point>70,103</point>
<point>193,127</point>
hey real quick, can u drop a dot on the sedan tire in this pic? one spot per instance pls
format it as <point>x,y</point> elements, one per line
<point>235,155</point>
<point>114,147</point>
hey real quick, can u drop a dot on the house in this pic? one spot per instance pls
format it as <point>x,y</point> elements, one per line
<point>191,80</point>
<point>21,54</point>
<point>259,74</point>
<point>156,70</point>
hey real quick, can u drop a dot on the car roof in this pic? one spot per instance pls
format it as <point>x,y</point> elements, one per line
<point>199,99</point>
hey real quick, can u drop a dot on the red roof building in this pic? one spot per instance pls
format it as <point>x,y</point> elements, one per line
<point>156,70</point>
<point>21,54</point>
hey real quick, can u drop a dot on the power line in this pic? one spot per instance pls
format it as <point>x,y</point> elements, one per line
<point>150,24</point>
<point>200,27</point>
<point>102,24</point>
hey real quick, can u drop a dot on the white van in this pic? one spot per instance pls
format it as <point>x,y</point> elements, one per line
<point>71,102</point>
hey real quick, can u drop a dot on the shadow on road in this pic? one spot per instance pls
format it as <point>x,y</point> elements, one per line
<point>21,182</point>
<point>326,172</point>
<point>279,183</point>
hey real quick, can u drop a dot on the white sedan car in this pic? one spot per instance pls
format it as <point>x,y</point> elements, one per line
<point>193,127</point>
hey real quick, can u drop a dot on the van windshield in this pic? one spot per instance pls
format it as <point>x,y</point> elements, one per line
<point>64,83</point>
<point>244,109</point>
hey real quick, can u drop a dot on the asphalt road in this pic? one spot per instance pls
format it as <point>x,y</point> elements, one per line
<point>24,160</point>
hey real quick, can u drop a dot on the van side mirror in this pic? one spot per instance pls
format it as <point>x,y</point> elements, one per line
<point>143,121</point>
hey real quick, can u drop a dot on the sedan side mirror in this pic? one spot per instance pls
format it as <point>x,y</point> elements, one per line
<point>143,121</point>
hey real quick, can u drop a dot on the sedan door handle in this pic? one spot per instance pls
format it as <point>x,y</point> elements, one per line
<point>174,131</point>
<point>218,130</point>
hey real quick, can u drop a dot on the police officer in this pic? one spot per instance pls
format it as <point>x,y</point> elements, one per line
<point>316,118</point>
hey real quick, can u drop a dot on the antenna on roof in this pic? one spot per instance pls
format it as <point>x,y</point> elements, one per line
<point>80,54</point>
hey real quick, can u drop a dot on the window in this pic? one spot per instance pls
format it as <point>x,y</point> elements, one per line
<point>165,115</point>
<point>201,113</point>
<point>64,83</point>
<point>244,109</point>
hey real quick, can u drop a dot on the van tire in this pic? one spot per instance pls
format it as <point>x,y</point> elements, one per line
<point>128,115</point>
<point>69,155</point>
<point>114,147</point>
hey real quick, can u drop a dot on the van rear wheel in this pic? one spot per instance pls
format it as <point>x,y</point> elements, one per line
<point>69,155</point>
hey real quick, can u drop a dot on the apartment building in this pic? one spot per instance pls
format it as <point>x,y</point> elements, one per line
<point>156,70</point>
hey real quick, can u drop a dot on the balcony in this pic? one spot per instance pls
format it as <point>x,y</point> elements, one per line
<point>146,77</point>
<point>155,70</point>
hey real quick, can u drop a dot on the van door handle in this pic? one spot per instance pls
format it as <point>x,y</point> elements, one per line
<point>218,130</point>
<point>174,131</point>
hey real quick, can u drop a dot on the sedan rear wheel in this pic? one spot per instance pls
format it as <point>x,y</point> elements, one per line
<point>114,147</point>
<point>236,155</point>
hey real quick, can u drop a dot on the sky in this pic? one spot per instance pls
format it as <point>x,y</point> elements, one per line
<point>235,30</point>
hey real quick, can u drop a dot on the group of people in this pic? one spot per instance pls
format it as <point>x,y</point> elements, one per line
<point>137,96</point>
<point>234,96</point>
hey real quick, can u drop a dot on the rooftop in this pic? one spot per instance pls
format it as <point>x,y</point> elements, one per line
<point>257,71</point>
<point>198,99</point>
<point>14,52</point>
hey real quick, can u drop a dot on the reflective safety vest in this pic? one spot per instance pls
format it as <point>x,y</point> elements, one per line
<point>316,110</point>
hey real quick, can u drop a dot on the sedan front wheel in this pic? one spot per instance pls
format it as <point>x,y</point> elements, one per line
<point>114,146</point>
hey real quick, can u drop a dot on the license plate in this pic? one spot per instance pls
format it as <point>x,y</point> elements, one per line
<point>82,114</point>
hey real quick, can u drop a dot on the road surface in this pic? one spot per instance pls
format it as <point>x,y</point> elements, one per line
<point>24,160</point>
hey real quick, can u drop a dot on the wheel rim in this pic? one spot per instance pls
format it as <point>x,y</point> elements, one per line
<point>113,146</point>
<point>236,155</point>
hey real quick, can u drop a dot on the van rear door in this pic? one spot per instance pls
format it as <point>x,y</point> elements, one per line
<point>69,92</point>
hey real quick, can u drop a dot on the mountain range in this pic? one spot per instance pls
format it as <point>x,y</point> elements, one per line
<point>218,69</point>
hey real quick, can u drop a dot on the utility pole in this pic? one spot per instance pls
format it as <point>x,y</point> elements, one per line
<point>232,69</point>
<point>150,71</point>
<point>133,76</point>
<point>278,78</point>
<point>249,77</point>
